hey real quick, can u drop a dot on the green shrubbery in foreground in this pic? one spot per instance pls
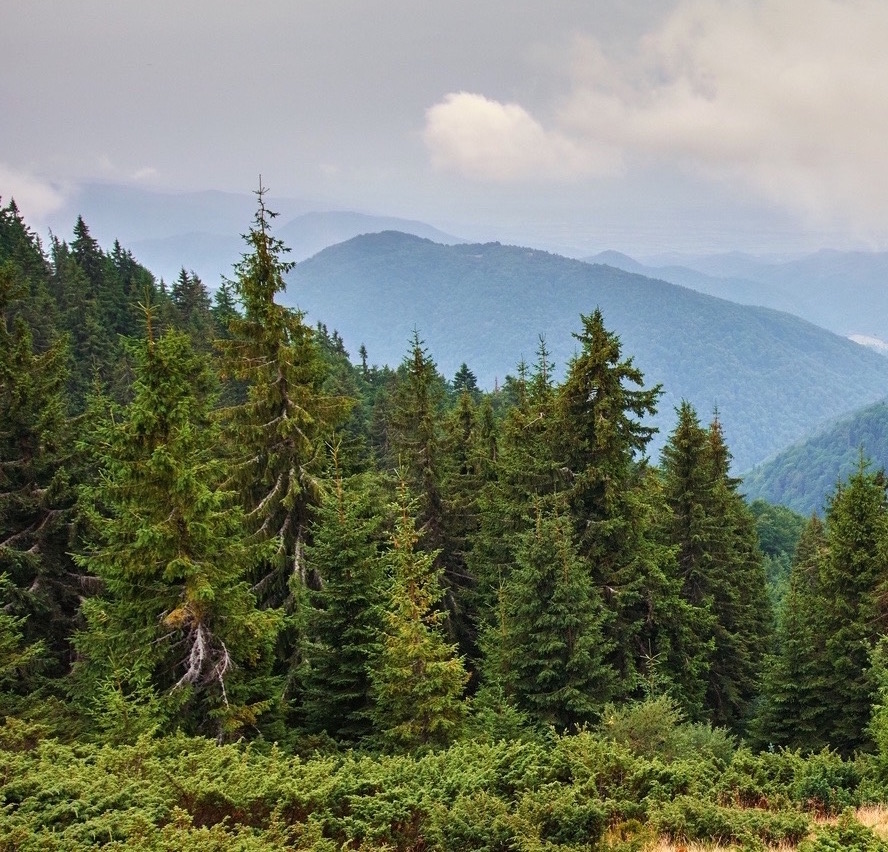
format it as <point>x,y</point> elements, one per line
<point>643,774</point>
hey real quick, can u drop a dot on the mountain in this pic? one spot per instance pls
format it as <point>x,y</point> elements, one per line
<point>732,287</point>
<point>804,475</point>
<point>131,214</point>
<point>772,376</point>
<point>843,291</point>
<point>201,231</point>
<point>309,233</point>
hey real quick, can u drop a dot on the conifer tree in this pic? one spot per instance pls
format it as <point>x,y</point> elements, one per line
<point>20,247</point>
<point>415,437</point>
<point>548,648</point>
<point>176,615</point>
<point>346,621</point>
<point>35,498</point>
<point>691,525</point>
<point>418,680</point>
<point>18,660</point>
<point>744,622</point>
<point>523,471</point>
<point>91,342</point>
<point>277,434</point>
<point>193,309</point>
<point>601,440</point>
<point>224,309</point>
<point>853,614</point>
<point>720,569</point>
<point>792,715</point>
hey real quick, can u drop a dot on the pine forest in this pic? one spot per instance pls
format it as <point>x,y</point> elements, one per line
<point>259,593</point>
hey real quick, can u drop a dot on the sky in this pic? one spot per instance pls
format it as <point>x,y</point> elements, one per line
<point>646,126</point>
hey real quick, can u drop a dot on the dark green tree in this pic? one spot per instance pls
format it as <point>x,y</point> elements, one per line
<point>176,616</point>
<point>415,438</point>
<point>721,571</point>
<point>792,714</point>
<point>35,499</point>
<point>600,440</point>
<point>744,620</point>
<point>522,471</point>
<point>345,626</point>
<point>20,247</point>
<point>465,380</point>
<point>853,611</point>
<point>193,309</point>
<point>548,648</point>
<point>277,434</point>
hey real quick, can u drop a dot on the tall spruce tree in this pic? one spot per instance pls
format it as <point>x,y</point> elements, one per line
<point>193,309</point>
<point>852,602</point>
<point>417,677</point>
<point>547,650</point>
<point>415,439</point>
<point>600,440</point>
<point>35,498</point>
<point>791,715</point>
<point>703,522</point>
<point>345,626</point>
<point>176,616</point>
<point>744,620</point>
<point>522,472</point>
<point>21,247</point>
<point>277,434</point>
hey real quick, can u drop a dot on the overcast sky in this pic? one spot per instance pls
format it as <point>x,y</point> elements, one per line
<point>641,125</point>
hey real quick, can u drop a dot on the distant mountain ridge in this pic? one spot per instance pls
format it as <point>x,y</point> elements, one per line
<point>804,475</point>
<point>212,256</point>
<point>773,377</point>
<point>843,291</point>
<point>201,231</point>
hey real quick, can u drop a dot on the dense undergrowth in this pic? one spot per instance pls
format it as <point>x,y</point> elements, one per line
<point>642,775</point>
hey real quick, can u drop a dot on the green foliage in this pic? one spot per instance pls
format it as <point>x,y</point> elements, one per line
<point>176,614</point>
<point>656,727</point>
<point>848,608</point>
<point>347,617</point>
<point>688,818</point>
<point>35,497</point>
<point>804,475</point>
<point>847,836</point>
<point>548,648</point>
<point>417,678</point>
<point>276,436</point>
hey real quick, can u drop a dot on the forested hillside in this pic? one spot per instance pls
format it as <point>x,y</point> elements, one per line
<point>804,476</point>
<point>257,595</point>
<point>843,291</point>
<point>772,377</point>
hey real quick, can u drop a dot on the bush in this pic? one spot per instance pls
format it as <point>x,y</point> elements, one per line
<point>689,818</point>
<point>847,836</point>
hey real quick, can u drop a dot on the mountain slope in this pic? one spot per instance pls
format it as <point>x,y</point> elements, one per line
<point>805,474</point>
<point>843,291</point>
<point>746,291</point>
<point>772,376</point>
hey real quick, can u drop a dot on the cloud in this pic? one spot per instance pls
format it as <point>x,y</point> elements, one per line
<point>494,141</point>
<point>786,100</point>
<point>145,173</point>
<point>34,197</point>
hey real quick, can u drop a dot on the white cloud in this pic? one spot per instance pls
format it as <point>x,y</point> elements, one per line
<point>787,99</point>
<point>490,140</point>
<point>146,173</point>
<point>34,197</point>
